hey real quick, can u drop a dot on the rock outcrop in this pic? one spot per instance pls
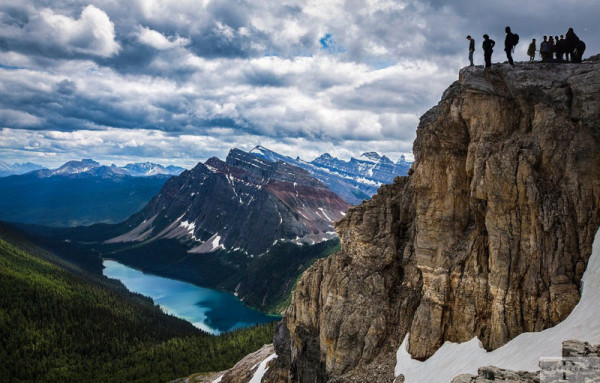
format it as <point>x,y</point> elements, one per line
<point>488,236</point>
<point>491,374</point>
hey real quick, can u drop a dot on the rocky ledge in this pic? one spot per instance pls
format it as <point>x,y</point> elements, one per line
<point>488,236</point>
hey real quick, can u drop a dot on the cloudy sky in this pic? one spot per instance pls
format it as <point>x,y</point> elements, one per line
<point>179,81</point>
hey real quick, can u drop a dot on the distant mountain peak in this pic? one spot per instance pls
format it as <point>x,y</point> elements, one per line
<point>325,156</point>
<point>7,169</point>
<point>74,167</point>
<point>370,156</point>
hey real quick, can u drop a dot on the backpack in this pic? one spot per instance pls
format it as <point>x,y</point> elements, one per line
<point>545,47</point>
<point>515,39</point>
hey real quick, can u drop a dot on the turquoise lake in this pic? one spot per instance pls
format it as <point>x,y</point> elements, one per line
<point>210,310</point>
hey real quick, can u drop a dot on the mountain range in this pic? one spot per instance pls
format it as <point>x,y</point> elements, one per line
<point>355,180</point>
<point>88,167</point>
<point>77,193</point>
<point>7,169</point>
<point>244,203</point>
<point>247,225</point>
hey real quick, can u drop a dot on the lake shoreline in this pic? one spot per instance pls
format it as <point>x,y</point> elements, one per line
<point>211,310</point>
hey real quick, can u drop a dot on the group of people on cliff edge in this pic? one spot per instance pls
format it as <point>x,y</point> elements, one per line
<point>571,46</point>
<point>552,49</point>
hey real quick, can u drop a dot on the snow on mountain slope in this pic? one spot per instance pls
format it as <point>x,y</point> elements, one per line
<point>7,169</point>
<point>522,352</point>
<point>353,180</point>
<point>146,169</point>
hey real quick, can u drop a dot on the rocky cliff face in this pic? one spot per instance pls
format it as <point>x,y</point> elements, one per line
<point>489,236</point>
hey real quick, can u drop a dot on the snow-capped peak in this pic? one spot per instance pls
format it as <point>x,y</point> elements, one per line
<point>74,167</point>
<point>370,157</point>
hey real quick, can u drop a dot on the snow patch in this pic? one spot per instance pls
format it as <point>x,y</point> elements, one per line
<point>138,234</point>
<point>521,353</point>
<point>212,244</point>
<point>190,227</point>
<point>262,369</point>
<point>218,380</point>
<point>215,243</point>
<point>326,216</point>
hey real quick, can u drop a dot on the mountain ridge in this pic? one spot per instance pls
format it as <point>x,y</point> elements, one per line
<point>224,204</point>
<point>354,180</point>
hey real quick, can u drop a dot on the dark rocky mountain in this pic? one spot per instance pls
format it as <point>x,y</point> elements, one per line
<point>355,180</point>
<point>487,239</point>
<point>245,203</point>
<point>7,169</point>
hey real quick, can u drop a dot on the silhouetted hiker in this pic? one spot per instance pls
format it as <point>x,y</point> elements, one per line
<point>571,41</point>
<point>471,48</point>
<point>531,51</point>
<point>488,49</point>
<point>509,43</point>
<point>578,52</point>
<point>560,48</point>
<point>557,49</point>
<point>552,47</point>
<point>545,50</point>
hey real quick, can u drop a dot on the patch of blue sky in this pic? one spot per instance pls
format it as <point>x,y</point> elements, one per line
<point>329,44</point>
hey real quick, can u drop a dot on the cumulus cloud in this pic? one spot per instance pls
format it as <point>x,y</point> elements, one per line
<point>47,32</point>
<point>188,79</point>
<point>159,41</point>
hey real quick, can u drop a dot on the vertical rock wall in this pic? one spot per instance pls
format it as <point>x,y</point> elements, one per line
<point>489,236</point>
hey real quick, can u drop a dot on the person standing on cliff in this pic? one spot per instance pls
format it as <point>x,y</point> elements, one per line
<point>571,41</point>
<point>488,49</point>
<point>471,48</point>
<point>531,51</point>
<point>509,43</point>
<point>545,50</point>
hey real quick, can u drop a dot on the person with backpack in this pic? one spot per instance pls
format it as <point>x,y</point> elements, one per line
<point>488,49</point>
<point>471,48</point>
<point>531,51</point>
<point>509,43</point>
<point>578,52</point>
<point>571,41</point>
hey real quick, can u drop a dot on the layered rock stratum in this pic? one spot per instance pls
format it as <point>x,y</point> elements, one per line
<point>487,237</point>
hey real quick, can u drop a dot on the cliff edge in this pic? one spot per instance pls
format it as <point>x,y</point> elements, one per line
<point>488,236</point>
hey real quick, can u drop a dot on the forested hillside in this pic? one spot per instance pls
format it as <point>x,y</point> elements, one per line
<point>57,326</point>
